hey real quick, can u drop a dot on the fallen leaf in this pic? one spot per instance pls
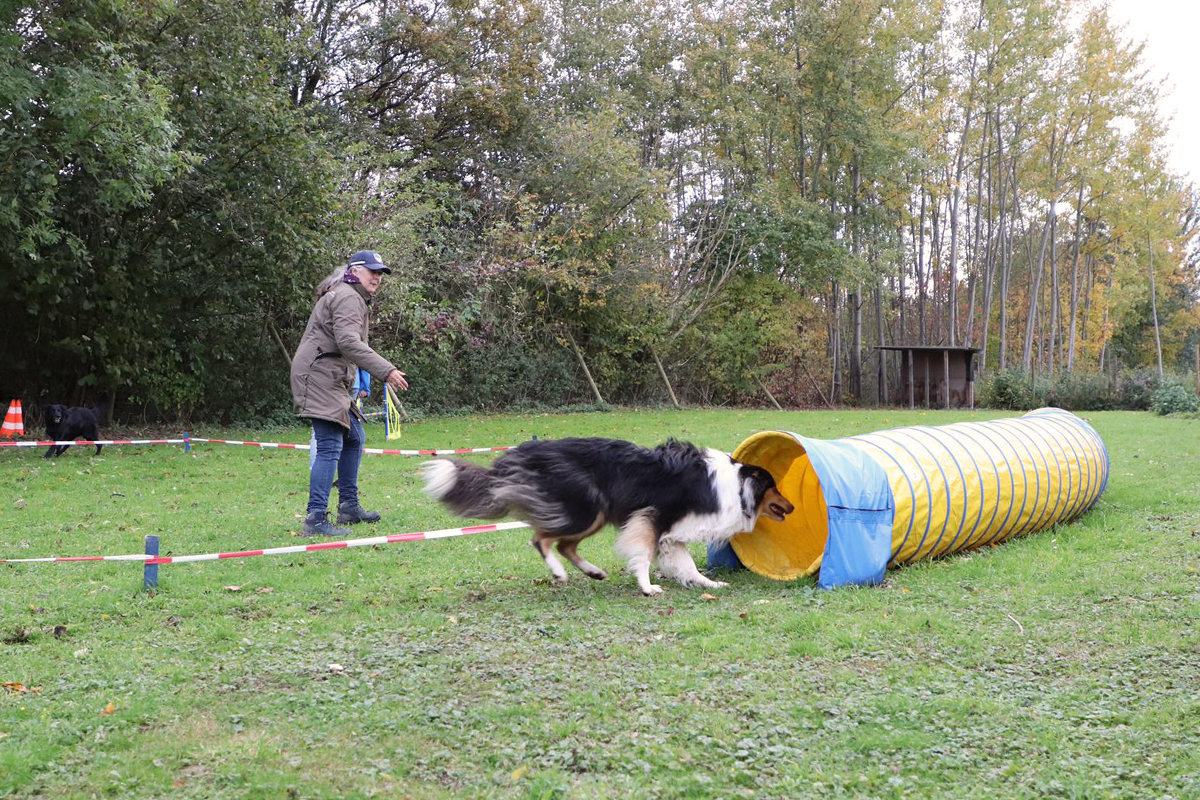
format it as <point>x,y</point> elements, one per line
<point>519,773</point>
<point>336,668</point>
<point>707,596</point>
<point>265,589</point>
<point>13,686</point>
<point>233,588</point>
<point>108,709</point>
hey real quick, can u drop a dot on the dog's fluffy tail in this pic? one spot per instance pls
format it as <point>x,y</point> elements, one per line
<point>468,490</point>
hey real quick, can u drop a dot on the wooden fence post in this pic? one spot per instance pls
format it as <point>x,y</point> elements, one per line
<point>946,375</point>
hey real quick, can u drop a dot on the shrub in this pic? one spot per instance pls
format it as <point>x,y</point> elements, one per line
<point>1173,398</point>
<point>1135,388</point>
<point>1009,389</point>
<point>1078,392</point>
<point>1128,390</point>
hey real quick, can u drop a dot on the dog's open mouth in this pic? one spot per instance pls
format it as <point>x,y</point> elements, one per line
<point>777,506</point>
<point>777,512</point>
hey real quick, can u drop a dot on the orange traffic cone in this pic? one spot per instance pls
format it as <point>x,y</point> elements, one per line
<point>14,424</point>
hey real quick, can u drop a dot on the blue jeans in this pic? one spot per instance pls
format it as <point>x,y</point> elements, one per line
<point>338,451</point>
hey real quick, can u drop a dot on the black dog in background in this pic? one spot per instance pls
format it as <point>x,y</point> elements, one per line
<point>66,424</point>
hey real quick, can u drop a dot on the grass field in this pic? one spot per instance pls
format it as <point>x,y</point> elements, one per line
<point>1063,664</point>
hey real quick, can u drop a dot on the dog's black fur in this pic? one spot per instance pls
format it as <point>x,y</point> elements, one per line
<point>68,423</point>
<point>661,499</point>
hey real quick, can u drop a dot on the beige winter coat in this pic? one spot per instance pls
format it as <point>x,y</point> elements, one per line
<point>333,345</point>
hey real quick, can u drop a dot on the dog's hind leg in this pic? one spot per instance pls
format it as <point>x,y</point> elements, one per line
<point>568,546</point>
<point>635,544</point>
<point>677,564</point>
<point>542,543</point>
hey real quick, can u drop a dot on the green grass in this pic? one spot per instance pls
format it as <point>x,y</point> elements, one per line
<point>1063,664</point>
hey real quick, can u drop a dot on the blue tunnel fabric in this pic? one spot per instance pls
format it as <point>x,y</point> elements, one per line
<point>861,513</point>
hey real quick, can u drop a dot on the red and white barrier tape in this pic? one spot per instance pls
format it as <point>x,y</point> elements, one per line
<point>275,551</point>
<point>99,441</point>
<point>280,445</point>
<point>457,451</point>
<point>376,451</point>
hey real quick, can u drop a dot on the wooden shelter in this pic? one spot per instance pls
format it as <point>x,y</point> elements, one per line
<point>932,375</point>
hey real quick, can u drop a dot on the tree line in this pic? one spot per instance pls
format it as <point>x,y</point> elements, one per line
<point>583,200</point>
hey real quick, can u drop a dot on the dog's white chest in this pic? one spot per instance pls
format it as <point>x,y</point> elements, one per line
<point>728,520</point>
<point>708,527</point>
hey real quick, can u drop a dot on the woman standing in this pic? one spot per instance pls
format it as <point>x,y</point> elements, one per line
<point>334,345</point>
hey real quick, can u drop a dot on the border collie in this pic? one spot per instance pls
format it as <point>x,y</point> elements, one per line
<point>660,499</point>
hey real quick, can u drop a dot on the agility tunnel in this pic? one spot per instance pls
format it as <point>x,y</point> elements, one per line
<point>892,497</point>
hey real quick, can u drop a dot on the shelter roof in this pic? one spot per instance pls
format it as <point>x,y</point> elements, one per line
<point>932,348</point>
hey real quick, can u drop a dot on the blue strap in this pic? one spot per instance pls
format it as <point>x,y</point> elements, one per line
<point>721,556</point>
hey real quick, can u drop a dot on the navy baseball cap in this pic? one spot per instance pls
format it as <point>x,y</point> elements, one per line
<point>371,260</point>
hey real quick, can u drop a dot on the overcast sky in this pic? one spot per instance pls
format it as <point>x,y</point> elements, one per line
<point>1169,28</point>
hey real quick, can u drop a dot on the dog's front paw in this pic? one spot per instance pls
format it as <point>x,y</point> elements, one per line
<point>717,584</point>
<point>652,590</point>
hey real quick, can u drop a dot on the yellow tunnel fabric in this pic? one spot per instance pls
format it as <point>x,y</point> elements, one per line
<point>954,487</point>
<point>792,548</point>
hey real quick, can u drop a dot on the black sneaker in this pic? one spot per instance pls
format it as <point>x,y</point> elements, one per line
<point>319,525</point>
<point>352,514</point>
